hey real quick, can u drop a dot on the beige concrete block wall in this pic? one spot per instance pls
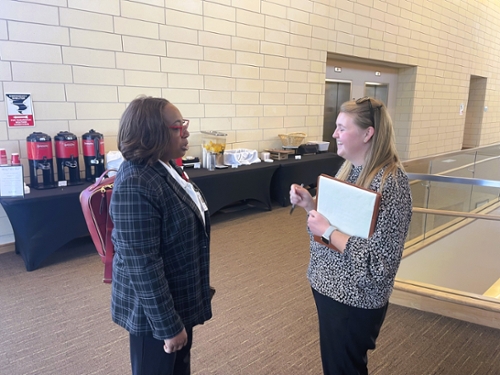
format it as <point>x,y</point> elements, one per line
<point>251,68</point>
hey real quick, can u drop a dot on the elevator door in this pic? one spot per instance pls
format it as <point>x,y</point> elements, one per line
<point>378,91</point>
<point>336,93</point>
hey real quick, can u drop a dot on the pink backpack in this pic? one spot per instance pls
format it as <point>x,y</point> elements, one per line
<point>95,202</point>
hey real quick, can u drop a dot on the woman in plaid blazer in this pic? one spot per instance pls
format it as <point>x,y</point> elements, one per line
<point>161,236</point>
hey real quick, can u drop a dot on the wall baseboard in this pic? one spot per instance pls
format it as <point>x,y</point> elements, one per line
<point>7,247</point>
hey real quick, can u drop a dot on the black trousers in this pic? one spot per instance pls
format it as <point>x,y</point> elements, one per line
<point>148,357</point>
<point>346,334</point>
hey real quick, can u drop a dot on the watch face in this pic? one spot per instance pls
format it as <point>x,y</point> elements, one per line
<point>325,240</point>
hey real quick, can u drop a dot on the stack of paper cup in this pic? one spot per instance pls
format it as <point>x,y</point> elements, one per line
<point>3,157</point>
<point>265,155</point>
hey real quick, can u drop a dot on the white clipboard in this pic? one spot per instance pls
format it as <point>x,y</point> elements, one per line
<point>350,208</point>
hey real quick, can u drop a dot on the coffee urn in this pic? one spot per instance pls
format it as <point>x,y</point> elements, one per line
<point>93,154</point>
<point>66,146</point>
<point>39,146</point>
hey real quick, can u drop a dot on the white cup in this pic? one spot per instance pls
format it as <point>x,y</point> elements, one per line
<point>265,155</point>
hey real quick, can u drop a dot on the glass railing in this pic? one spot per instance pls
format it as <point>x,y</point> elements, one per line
<point>440,202</point>
<point>450,265</point>
<point>466,182</point>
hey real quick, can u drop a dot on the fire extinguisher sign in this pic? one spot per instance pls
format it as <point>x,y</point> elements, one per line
<point>19,110</point>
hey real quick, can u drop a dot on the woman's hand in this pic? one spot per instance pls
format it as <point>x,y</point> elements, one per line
<point>301,197</point>
<point>176,343</point>
<point>317,223</point>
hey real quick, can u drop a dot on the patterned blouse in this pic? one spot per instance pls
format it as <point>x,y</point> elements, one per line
<point>363,276</point>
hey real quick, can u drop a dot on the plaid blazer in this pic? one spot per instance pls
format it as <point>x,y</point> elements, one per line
<point>161,265</point>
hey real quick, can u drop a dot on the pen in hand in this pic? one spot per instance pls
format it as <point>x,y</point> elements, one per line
<point>293,205</point>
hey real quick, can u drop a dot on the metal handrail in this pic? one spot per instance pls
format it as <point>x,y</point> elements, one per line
<point>414,177</point>
<point>450,179</point>
<point>471,151</point>
<point>455,214</point>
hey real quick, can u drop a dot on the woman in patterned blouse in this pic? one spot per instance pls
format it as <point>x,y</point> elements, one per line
<point>352,286</point>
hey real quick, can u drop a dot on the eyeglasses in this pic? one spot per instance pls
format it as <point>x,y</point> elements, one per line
<point>183,128</point>
<point>368,99</point>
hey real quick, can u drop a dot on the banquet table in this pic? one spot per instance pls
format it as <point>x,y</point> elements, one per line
<point>306,170</point>
<point>222,187</point>
<point>45,220</point>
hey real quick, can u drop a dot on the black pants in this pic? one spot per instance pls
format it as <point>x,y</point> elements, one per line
<point>148,357</point>
<point>346,334</point>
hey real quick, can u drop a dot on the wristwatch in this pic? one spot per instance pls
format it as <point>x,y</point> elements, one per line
<point>326,236</point>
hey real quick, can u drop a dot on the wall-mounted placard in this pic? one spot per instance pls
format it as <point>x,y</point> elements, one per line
<point>19,110</point>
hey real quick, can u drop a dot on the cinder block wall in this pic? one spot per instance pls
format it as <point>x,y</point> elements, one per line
<point>251,68</point>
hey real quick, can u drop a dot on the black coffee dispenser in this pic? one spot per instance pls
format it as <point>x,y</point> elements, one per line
<point>93,154</point>
<point>66,145</point>
<point>39,146</point>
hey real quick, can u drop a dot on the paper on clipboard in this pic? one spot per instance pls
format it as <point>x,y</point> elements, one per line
<point>350,208</point>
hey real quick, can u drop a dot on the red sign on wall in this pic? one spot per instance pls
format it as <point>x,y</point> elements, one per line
<point>19,110</point>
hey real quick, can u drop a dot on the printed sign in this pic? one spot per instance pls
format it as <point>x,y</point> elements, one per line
<point>19,110</point>
<point>11,181</point>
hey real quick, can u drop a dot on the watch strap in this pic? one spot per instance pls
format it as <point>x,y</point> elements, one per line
<point>326,236</point>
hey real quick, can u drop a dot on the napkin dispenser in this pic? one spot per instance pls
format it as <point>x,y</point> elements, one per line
<point>307,149</point>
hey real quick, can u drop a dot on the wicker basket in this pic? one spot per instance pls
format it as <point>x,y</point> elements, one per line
<point>292,139</point>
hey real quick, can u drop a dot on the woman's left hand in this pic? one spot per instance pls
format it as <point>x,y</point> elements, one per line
<point>317,223</point>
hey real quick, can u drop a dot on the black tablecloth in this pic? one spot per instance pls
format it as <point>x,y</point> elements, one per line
<point>223,187</point>
<point>305,170</point>
<point>45,220</point>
